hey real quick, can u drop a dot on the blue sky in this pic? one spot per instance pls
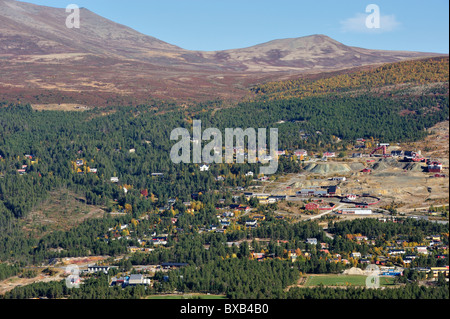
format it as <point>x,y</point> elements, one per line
<point>209,25</point>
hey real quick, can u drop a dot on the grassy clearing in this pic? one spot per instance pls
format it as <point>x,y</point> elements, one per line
<point>62,210</point>
<point>344,280</point>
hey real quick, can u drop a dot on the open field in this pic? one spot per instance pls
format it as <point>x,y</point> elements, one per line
<point>60,107</point>
<point>343,280</point>
<point>16,281</point>
<point>62,210</point>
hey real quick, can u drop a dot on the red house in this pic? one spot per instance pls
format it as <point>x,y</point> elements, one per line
<point>312,206</point>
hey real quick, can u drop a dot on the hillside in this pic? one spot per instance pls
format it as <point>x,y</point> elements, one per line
<point>105,63</point>
<point>430,74</point>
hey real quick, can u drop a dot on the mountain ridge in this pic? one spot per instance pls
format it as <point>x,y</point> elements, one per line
<point>40,55</point>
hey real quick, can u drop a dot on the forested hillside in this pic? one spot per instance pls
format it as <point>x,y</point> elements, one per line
<point>414,72</point>
<point>118,159</point>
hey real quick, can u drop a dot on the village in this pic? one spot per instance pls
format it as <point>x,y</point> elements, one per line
<point>320,193</point>
<point>384,182</point>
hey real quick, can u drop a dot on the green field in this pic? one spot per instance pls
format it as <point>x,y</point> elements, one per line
<point>187,296</point>
<point>343,280</point>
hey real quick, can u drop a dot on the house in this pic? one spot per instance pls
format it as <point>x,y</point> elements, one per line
<point>396,153</point>
<point>79,162</point>
<point>292,253</point>
<point>266,158</point>
<point>258,256</point>
<point>436,238</point>
<point>301,153</point>
<point>407,261</point>
<point>391,271</point>
<point>249,174</point>
<point>93,170</point>
<point>259,217</point>
<point>132,150</point>
<point>311,192</point>
<point>411,257</point>
<point>434,167</point>
<point>437,270</point>
<point>329,154</point>
<point>352,211</point>
<point>159,240</point>
<point>134,249</point>
<point>135,280</point>
<point>312,206</point>
<point>366,170</point>
<point>173,265</point>
<point>319,205</point>
<point>94,269</point>
<point>396,252</point>
<point>338,178</point>
<point>332,190</point>
<point>114,179</point>
<point>311,241</point>
<point>121,281</point>
<point>228,214</point>
<point>251,223</point>
<point>422,250</point>
<point>355,255</point>
<point>225,223</point>
<point>204,168</point>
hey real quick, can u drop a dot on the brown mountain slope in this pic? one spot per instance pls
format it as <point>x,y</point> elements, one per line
<point>43,61</point>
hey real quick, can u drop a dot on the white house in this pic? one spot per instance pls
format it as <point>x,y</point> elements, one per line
<point>114,179</point>
<point>356,255</point>
<point>329,154</point>
<point>301,153</point>
<point>252,223</point>
<point>204,168</point>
